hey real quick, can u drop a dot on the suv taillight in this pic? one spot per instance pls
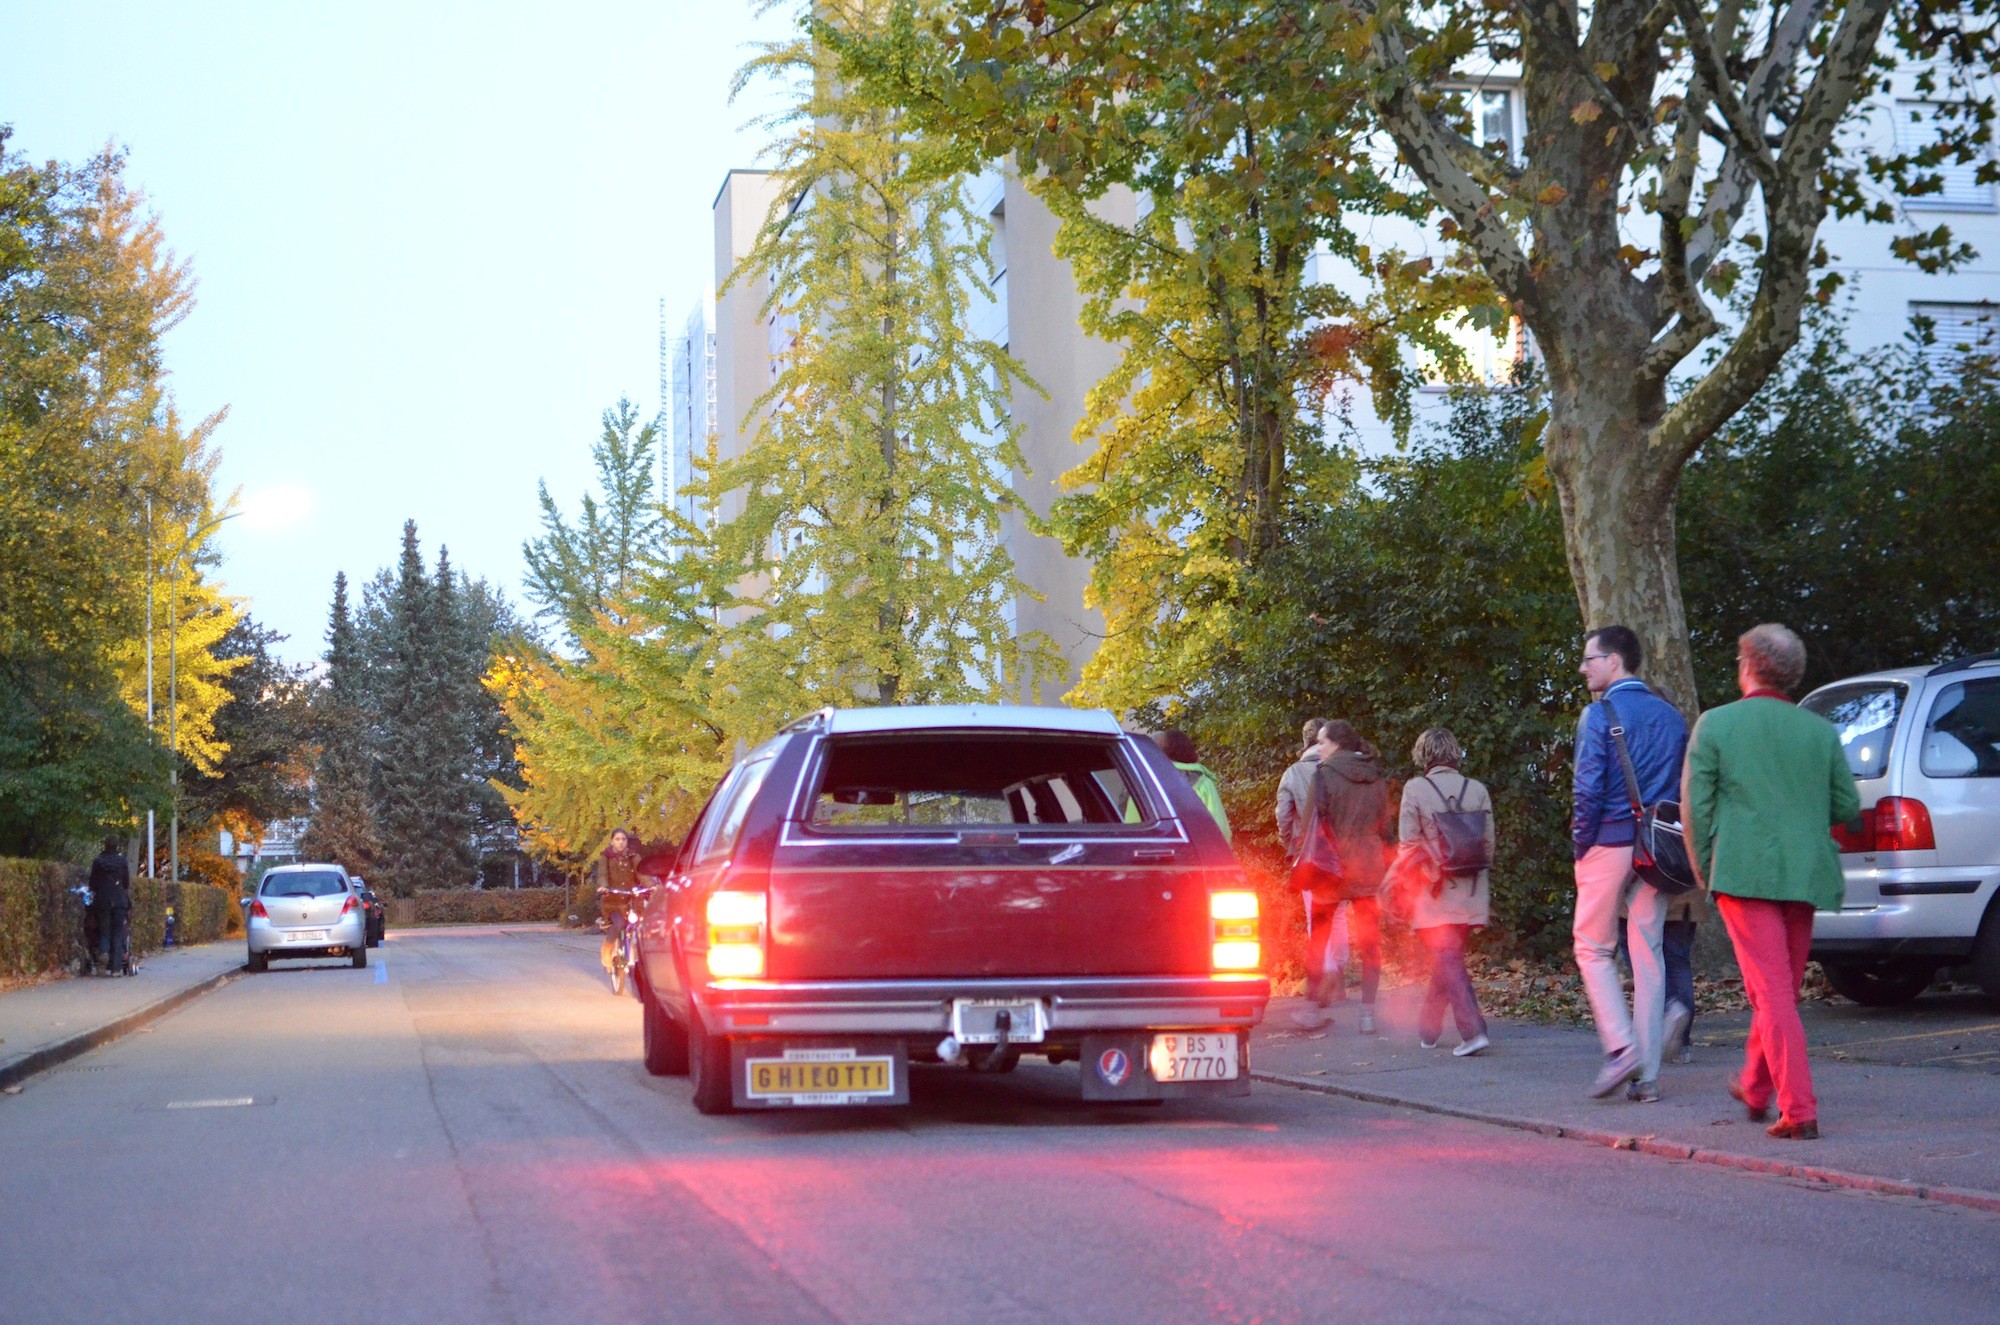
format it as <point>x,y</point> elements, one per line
<point>1902,823</point>
<point>736,934</point>
<point>1234,940</point>
<point>1894,823</point>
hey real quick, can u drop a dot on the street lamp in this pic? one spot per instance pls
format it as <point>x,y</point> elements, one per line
<point>190,541</point>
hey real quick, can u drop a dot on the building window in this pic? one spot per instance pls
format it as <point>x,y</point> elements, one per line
<point>1958,331</point>
<point>1919,125</point>
<point>1496,113</point>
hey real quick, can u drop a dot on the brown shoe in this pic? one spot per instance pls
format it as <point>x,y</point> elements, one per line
<point>1786,1130</point>
<point>1755,1113</point>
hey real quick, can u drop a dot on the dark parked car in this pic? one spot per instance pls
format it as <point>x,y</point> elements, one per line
<point>377,913</point>
<point>876,887</point>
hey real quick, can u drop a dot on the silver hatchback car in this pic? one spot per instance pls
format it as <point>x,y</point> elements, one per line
<point>306,911</point>
<point>1923,859</point>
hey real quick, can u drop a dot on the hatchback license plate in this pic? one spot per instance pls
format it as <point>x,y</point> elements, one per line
<point>1194,1056</point>
<point>821,1076</point>
<point>306,936</point>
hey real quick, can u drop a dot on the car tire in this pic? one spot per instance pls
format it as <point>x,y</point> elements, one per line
<point>708,1068</point>
<point>258,962</point>
<point>360,956</point>
<point>666,1043</point>
<point>1985,964</point>
<point>1885,984</point>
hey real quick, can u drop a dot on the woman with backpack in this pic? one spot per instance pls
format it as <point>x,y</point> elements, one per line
<point>1446,826</point>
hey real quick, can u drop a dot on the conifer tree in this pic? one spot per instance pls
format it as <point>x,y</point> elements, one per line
<point>343,811</point>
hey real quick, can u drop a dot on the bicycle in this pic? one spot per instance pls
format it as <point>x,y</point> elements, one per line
<point>625,948</point>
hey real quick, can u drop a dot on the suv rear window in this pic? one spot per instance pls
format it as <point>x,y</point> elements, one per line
<point>1865,716</point>
<point>303,883</point>
<point>969,779</point>
<point>1962,736</point>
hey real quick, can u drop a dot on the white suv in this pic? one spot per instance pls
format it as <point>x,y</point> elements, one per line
<point>1923,859</point>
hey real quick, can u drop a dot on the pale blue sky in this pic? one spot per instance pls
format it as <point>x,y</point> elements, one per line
<point>430,241</point>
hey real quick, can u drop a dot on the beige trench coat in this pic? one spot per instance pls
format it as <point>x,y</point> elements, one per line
<point>1467,899</point>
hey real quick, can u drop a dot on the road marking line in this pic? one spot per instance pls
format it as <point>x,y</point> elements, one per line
<point>381,972</point>
<point>1919,1035</point>
<point>240,1102</point>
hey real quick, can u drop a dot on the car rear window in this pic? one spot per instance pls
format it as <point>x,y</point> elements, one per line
<point>1962,735</point>
<point>303,883</point>
<point>1865,716</point>
<point>969,779</point>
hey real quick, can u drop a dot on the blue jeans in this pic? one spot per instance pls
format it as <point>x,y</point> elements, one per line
<point>1450,983</point>
<point>1678,944</point>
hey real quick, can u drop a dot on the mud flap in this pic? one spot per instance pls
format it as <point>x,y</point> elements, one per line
<point>1115,1068</point>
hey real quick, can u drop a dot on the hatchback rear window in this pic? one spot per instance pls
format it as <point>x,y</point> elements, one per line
<point>1962,736</point>
<point>1865,716</point>
<point>303,883</point>
<point>969,779</point>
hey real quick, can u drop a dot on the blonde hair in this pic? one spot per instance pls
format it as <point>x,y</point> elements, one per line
<point>1777,656</point>
<point>1437,746</point>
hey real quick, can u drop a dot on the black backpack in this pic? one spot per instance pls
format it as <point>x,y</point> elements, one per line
<point>1461,846</point>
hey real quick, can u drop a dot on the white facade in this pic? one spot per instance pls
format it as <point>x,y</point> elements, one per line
<point>688,399</point>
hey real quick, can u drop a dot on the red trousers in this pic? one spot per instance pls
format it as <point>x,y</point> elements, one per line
<point>1771,941</point>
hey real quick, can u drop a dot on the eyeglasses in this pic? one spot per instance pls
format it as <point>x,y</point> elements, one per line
<point>1598,657</point>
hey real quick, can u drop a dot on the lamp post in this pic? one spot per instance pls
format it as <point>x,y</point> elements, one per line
<point>192,540</point>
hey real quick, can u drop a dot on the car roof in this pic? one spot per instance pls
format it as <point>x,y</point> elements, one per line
<point>1906,675</point>
<point>958,717</point>
<point>305,865</point>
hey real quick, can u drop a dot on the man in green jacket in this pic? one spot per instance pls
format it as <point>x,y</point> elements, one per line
<point>1764,785</point>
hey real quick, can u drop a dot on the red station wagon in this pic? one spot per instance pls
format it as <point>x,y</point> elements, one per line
<point>963,885</point>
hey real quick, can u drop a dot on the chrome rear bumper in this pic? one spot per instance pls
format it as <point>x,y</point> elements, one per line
<point>1076,1005</point>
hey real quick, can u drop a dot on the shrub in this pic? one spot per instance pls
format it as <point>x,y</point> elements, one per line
<point>39,916</point>
<point>490,906</point>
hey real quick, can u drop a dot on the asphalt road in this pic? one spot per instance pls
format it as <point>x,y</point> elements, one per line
<point>465,1134</point>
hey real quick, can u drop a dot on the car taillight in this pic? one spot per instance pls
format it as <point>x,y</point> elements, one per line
<point>1234,939</point>
<point>736,935</point>
<point>352,903</point>
<point>257,909</point>
<point>1902,823</point>
<point>1894,823</point>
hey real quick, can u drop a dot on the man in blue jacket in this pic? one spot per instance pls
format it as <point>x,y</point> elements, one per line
<point>1601,831</point>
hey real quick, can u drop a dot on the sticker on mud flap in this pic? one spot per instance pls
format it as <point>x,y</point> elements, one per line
<point>1114,1066</point>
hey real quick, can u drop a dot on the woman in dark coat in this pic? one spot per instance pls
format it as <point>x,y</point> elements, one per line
<point>617,874</point>
<point>1351,798</point>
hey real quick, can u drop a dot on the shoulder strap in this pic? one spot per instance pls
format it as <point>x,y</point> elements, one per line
<point>1624,759</point>
<point>1456,804</point>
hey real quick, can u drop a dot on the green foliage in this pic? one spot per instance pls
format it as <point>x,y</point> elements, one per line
<point>88,438</point>
<point>264,730</point>
<point>490,906</point>
<point>575,569</point>
<point>40,918</point>
<point>342,827</point>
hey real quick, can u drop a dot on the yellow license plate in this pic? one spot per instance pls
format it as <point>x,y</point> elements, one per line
<point>811,1079</point>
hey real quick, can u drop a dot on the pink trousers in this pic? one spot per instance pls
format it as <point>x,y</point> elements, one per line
<point>1771,941</point>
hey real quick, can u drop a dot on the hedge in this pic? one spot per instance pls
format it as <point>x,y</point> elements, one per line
<point>39,916</point>
<point>490,906</point>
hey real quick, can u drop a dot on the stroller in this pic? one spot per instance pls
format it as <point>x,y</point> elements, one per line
<point>88,939</point>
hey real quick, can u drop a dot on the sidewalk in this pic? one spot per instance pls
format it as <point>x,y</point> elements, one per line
<point>44,1025</point>
<point>1920,1131</point>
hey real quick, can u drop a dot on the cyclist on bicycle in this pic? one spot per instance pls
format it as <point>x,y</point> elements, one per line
<point>617,873</point>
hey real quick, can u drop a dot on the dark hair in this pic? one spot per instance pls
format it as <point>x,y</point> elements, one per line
<point>1621,640</point>
<point>1341,735</point>
<point>1179,746</point>
<point>112,846</point>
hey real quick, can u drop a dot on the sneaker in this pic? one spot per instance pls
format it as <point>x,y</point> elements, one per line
<point>1674,1028</point>
<point>1643,1092</point>
<point>1786,1130</point>
<point>1311,1018</point>
<point>1685,1055</point>
<point>1367,1026</point>
<point>1426,1044</point>
<point>1619,1068</point>
<point>1476,1045</point>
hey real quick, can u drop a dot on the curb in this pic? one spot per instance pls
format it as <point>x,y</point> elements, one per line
<point>1647,1145</point>
<point>63,1050</point>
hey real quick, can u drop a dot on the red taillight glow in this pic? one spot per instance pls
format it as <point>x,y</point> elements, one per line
<point>736,935</point>
<point>1894,823</point>
<point>1234,931</point>
<point>352,904</point>
<point>257,909</point>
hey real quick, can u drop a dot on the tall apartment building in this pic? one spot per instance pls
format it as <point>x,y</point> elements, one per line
<point>688,398</point>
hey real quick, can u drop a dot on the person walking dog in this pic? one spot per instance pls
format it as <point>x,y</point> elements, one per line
<point>1765,781</point>
<point>1448,818</point>
<point>1654,736</point>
